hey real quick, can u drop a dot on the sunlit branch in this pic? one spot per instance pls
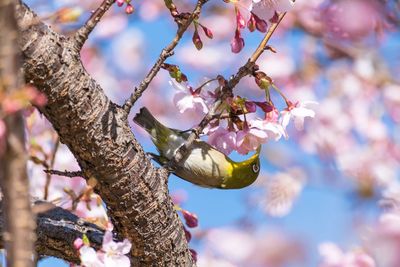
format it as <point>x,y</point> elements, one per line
<point>52,161</point>
<point>165,53</point>
<point>56,231</point>
<point>246,69</point>
<point>83,33</point>
<point>65,173</point>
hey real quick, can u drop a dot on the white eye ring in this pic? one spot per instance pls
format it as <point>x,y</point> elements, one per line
<point>256,168</point>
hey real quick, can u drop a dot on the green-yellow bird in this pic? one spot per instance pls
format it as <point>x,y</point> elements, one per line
<point>203,165</point>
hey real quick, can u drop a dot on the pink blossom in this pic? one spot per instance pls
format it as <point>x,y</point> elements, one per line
<point>282,190</point>
<point>89,257</point>
<point>347,19</point>
<point>298,111</point>
<point>249,139</point>
<point>114,252</point>
<point>222,139</point>
<point>384,240</point>
<point>333,256</point>
<point>185,99</point>
<point>273,130</point>
<point>78,243</point>
<point>265,9</point>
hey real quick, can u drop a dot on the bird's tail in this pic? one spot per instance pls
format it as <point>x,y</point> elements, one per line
<point>146,120</point>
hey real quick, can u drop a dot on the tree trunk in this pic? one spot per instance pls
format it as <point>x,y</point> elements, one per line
<point>98,134</point>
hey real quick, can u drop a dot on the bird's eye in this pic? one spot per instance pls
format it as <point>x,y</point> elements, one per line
<point>256,168</point>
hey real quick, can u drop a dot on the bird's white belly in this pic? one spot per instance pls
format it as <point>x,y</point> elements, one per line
<point>203,168</point>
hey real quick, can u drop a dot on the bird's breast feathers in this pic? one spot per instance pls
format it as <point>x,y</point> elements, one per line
<point>205,166</point>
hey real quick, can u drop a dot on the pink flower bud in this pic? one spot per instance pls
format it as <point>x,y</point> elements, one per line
<point>241,23</point>
<point>265,106</point>
<point>194,254</point>
<point>250,106</point>
<point>237,42</point>
<point>207,32</point>
<point>120,2</point>
<point>190,218</point>
<point>78,243</point>
<point>275,18</point>
<point>188,235</point>
<point>251,24</point>
<point>197,40</point>
<point>262,80</point>
<point>261,24</point>
<point>129,9</point>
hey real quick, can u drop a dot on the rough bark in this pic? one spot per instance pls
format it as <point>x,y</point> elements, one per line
<point>19,222</point>
<point>56,231</point>
<point>98,134</point>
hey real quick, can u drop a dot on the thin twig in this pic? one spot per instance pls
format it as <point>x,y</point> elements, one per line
<point>226,92</point>
<point>165,53</point>
<point>52,161</point>
<point>65,173</point>
<point>83,33</point>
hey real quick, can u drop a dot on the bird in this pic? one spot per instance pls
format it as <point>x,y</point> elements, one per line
<point>203,165</point>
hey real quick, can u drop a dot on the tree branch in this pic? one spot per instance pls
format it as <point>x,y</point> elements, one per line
<point>83,33</point>
<point>98,134</point>
<point>246,69</point>
<point>57,230</point>
<point>65,173</point>
<point>165,53</point>
<point>19,223</point>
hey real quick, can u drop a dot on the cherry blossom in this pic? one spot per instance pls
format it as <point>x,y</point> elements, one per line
<point>89,257</point>
<point>282,189</point>
<point>266,9</point>
<point>114,252</point>
<point>222,139</point>
<point>333,256</point>
<point>273,130</point>
<point>249,139</point>
<point>187,99</point>
<point>298,111</point>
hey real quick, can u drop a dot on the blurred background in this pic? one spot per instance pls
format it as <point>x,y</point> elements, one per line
<point>323,194</point>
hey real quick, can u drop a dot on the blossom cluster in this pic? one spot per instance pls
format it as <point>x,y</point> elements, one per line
<point>255,15</point>
<point>111,254</point>
<point>242,130</point>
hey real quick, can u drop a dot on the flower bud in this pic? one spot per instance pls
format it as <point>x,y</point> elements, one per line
<point>190,218</point>
<point>120,2</point>
<point>78,243</point>
<point>194,254</point>
<point>129,9</point>
<point>241,23</point>
<point>262,80</point>
<point>237,42</point>
<point>250,106</point>
<point>275,18</point>
<point>265,106</point>
<point>251,24</point>
<point>197,40</point>
<point>261,24</point>
<point>188,235</point>
<point>207,32</point>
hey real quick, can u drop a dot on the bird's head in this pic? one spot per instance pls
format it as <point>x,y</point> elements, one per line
<point>244,173</point>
